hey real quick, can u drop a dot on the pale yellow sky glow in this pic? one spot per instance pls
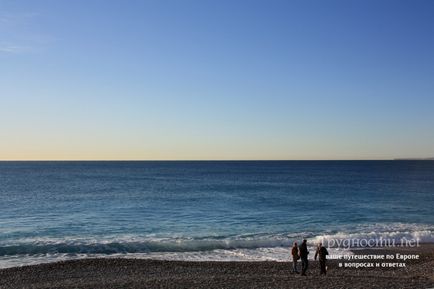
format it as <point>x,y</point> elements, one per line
<point>107,146</point>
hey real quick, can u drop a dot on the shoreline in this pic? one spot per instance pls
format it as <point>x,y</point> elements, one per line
<point>148,273</point>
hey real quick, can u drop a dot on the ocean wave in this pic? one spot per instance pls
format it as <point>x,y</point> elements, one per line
<point>377,235</point>
<point>151,244</point>
<point>142,246</point>
<point>277,254</point>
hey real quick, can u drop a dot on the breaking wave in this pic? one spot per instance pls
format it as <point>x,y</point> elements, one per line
<point>147,245</point>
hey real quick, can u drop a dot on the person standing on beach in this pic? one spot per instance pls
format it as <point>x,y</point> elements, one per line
<point>303,256</point>
<point>322,253</point>
<point>295,257</point>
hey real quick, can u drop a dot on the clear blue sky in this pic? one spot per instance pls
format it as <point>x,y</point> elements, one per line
<point>204,79</point>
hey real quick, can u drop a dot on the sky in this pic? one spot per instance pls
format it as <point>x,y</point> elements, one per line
<point>216,80</point>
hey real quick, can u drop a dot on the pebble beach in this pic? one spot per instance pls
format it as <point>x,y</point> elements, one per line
<point>141,273</point>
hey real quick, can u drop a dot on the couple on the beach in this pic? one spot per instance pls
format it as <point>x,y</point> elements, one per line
<point>301,252</point>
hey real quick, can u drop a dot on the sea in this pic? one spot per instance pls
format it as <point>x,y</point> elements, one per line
<point>206,210</point>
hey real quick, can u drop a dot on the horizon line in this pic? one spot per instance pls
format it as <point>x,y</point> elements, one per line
<point>211,160</point>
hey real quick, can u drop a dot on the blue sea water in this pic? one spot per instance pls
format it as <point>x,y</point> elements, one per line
<point>205,210</point>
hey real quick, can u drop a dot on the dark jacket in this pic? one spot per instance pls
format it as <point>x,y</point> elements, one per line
<point>294,253</point>
<point>303,250</point>
<point>321,252</point>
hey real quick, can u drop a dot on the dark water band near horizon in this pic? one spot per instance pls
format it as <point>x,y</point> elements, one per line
<point>206,210</point>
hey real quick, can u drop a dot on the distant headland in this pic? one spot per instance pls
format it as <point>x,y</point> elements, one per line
<point>414,159</point>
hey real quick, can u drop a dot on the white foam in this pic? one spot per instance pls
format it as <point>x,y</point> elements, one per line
<point>278,254</point>
<point>396,233</point>
<point>252,247</point>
